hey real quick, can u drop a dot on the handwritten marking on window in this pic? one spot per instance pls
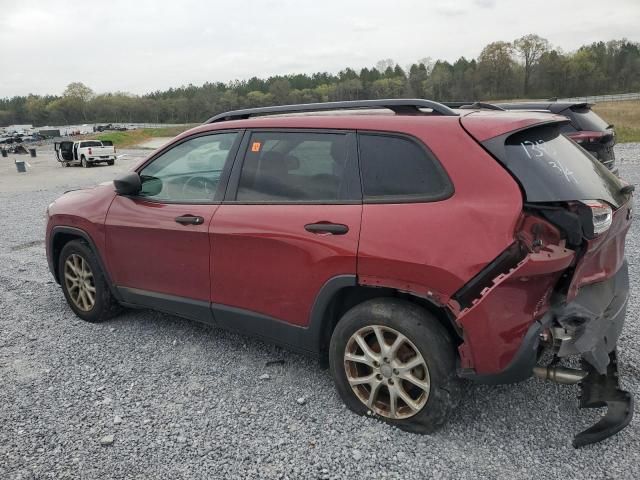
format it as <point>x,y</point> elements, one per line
<point>542,150</point>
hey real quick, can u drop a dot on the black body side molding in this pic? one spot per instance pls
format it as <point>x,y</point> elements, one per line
<point>180,306</point>
<point>310,340</point>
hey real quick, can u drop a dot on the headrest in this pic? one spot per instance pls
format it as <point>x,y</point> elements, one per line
<point>277,163</point>
<point>293,163</point>
<point>338,150</point>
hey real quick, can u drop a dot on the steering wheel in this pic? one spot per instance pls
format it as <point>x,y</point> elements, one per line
<point>200,186</point>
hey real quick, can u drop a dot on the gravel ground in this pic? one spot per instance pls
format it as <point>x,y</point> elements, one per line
<point>148,395</point>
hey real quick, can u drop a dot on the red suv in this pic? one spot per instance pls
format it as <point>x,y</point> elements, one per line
<point>406,244</point>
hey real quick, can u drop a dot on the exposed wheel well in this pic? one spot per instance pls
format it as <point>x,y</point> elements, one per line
<point>59,241</point>
<point>349,297</point>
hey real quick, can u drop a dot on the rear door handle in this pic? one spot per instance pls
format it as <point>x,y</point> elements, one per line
<point>190,220</point>
<point>326,227</point>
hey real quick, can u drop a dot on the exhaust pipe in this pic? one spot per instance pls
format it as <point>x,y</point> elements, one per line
<point>567,376</point>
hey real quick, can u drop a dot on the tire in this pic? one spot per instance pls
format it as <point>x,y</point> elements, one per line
<point>104,305</point>
<point>440,390</point>
<point>84,163</point>
<point>111,162</point>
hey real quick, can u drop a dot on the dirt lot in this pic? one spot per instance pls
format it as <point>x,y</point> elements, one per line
<point>184,400</point>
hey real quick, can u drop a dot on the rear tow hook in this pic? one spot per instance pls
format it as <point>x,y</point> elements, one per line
<point>604,391</point>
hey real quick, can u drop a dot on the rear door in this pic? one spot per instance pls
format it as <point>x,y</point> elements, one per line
<point>290,223</point>
<point>157,242</point>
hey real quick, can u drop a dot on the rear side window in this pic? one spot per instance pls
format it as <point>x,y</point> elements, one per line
<point>297,167</point>
<point>552,168</point>
<point>398,169</point>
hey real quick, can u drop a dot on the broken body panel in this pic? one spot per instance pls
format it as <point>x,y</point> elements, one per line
<point>566,286</point>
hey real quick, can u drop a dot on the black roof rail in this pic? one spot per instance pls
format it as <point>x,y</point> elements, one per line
<point>487,106</point>
<point>457,104</point>
<point>472,105</point>
<point>406,106</point>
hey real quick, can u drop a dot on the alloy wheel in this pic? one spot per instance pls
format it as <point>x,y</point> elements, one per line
<point>387,372</point>
<point>78,279</point>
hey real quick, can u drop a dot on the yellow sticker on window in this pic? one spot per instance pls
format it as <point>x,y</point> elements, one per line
<point>255,147</point>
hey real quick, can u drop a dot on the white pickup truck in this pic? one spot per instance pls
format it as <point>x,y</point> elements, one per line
<point>85,152</point>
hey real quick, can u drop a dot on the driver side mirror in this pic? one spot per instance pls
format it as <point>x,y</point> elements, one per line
<point>128,184</point>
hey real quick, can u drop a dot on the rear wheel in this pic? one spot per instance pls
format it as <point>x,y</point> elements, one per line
<point>392,359</point>
<point>83,283</point>
<point>83,162</point>
<point>111,162</point>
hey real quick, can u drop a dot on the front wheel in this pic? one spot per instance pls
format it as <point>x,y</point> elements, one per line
<point>392,359</point>
<point>83,283</point>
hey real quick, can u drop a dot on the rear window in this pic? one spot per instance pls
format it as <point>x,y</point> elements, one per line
<point>587,119</point>
<point>399,169</point>
<point>90,144</point>
<point>552,168</point>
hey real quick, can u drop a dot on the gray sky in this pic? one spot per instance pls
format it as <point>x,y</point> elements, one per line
<point>141,45</point>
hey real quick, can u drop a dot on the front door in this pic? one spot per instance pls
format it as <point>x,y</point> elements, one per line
<point>157,242</point>
<point>64,151</point>
<point>290,222</point>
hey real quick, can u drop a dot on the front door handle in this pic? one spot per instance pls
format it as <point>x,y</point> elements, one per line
<point>326,227</point>
<point>190,220</point>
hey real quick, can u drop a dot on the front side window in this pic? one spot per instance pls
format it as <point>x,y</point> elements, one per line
<point>295,167</point>
<point>190,171</point>
<point>398,169</point>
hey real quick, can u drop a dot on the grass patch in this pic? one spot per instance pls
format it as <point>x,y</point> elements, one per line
<point>131,138</point>
<point>625,116</point>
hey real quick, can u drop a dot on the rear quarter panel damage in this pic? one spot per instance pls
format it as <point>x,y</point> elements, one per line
<point>432,249</point>
<point>497,321</point>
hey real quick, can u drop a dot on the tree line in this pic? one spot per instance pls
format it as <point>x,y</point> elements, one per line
<point>528,67</point>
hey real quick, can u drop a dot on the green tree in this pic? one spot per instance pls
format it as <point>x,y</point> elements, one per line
<point>78,96</point>
<point>496,69</point>
<point>280,89</point>
<point>530,47</point>
<point>36,109</point>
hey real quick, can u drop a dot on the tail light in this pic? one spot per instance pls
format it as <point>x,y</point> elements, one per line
<point>601,214</point>
<point>90,151</point>
<point>584,138</point>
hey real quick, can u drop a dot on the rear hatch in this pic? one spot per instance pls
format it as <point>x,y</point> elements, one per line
<point>561,182</point>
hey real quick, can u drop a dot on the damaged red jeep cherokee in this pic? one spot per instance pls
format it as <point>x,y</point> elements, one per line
<point>408,245</point>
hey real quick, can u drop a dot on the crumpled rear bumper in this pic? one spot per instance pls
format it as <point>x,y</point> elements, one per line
<point>598,391</point>
<point>591,324</point>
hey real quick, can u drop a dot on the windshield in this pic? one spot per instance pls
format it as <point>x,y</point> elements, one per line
<point>587,119</point>
<point>552,168</point>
